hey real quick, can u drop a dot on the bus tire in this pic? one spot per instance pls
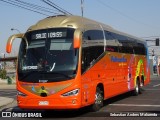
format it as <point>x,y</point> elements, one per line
<point>137,89</point>
<point>98,104</point>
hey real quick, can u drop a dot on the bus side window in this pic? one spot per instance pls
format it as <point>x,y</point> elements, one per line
<point>90,55</point>
<point>109,35</point>
<point>140,49</point>
<point>92,47</point>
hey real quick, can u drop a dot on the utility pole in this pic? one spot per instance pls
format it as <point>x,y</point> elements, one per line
<point>152,52</point>
<point>157,41</point>
<point>82,6</point>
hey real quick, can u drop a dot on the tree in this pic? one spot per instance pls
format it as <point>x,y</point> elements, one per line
<point>3,74</point>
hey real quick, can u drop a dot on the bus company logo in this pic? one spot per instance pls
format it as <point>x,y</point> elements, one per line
<point>6,114</point>
<point>43,81</point>
<point>22,115</point>
<point>115,59</point>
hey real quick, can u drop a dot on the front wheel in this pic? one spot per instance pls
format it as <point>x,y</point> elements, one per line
<point>98,100</point>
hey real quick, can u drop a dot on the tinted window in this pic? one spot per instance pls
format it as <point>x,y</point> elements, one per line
<point>109,35</point>
<point>140,49</point>
<point>119,37</point>
<point>93,35</point>
<point>126,49</point>
<point>112,48</point>
<point>90,55</point>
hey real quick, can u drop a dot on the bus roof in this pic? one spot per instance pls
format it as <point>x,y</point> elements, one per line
<point>64,21</point>
<point>74,22</point>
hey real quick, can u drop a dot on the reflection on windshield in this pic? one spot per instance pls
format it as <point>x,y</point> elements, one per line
<point>34,55</point>
<point>48,55</point>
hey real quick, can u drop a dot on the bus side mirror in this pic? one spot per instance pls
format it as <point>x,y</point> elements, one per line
<point>10,41</point>
<point>77,39</point>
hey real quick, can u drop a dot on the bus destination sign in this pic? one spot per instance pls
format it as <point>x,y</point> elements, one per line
<point>45,35</point>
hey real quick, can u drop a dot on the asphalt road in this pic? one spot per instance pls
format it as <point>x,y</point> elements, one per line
<point>11,93</point>
<point>147,103</point>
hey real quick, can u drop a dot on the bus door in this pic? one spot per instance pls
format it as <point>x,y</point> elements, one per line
<point>92,49</point>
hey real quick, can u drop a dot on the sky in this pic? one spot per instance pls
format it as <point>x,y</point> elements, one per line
<point>136,17</point>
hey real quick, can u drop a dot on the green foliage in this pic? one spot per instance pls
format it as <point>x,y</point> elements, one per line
<point>3,74</point>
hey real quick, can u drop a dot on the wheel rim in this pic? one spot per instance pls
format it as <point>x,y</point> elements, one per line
<point>98,98</point>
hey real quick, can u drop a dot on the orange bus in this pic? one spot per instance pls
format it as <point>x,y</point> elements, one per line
<point>69,62</point>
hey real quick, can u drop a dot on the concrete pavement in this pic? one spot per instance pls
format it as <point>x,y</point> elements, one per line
<point>154,77</point>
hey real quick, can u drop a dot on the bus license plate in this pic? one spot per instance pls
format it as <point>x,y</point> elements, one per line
<point>43,103</point>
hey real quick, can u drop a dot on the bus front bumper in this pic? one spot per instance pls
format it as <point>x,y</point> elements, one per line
<point>48,103</point>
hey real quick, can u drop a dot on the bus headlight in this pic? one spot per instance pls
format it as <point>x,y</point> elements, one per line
<point>71,93</point>
<point>21,94</point>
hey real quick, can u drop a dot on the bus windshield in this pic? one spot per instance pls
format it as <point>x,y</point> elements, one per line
<point>47,55</point>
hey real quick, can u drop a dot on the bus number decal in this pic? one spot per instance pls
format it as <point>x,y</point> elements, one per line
<point>55,34</point>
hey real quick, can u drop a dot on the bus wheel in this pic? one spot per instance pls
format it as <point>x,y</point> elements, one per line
<point>98,100</point>
<point>136,91</point>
